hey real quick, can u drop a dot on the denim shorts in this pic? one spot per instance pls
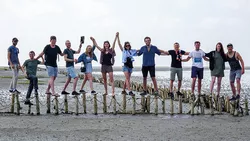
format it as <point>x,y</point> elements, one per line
<point>71,72</point>
<point>234,74</point>
<point>197,72</point>
<point>127,69</point>
<point>52,71</point>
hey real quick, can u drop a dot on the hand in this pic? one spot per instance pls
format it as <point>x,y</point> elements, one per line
<point>12,66</point>
<point>117,34</point>
<point>91,38</point>
<point>242,71</point>
<point>75,60</point>
<point>25,75</point>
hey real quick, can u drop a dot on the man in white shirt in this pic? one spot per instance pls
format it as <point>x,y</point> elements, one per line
<point>197,67</point>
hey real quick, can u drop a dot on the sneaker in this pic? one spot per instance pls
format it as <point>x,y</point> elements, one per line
<point>180,94</point>
<point>143,93</point>
<point>93,92</point>
<point>156,93</point>
<point>124,92</point>
<point>16,91</point>
<point>131,93</point>
<point>64,92</point>
<point>82,91</point>
<point>237,97</point>
<point>171,95</point>
<point>27,102</point>
<point>11,91</point>
<point>75,93</point>
<point>36,92</point>
<point>233,98</point>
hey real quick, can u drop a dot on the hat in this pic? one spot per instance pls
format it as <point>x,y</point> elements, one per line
<point>230,45</point>
<point>15,39</point>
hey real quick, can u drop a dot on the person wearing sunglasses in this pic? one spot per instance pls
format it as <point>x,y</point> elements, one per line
<point>127,60</point>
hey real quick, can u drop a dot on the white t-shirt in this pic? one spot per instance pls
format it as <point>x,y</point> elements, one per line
<point>197,57</point>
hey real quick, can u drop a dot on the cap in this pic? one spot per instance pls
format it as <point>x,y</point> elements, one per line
<point>230,45</point>
<point>14,39</point>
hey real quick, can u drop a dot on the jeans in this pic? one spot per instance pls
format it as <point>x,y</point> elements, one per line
<point>13,82</point>
<point>33,84</point>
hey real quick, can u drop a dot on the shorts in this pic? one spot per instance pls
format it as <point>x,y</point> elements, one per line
<point>71,72</point>
<point>197,72</point>
<point>52,71</point>
<point>234,74</point>
<point>127,69</point>
<point>146,69</point>
<point>174,71</point>
<point>106,69</point>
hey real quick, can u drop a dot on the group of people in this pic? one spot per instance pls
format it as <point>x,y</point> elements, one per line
<point>216,58</point>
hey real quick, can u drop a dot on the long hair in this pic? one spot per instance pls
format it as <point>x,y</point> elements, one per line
<point>90,54</point>
<point>222,53</point>
<point>125,46</point>
<point>104,49</point>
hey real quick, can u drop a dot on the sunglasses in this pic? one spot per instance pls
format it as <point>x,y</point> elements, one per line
<point>127,45</point>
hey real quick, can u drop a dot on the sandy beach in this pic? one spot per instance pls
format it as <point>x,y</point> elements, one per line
<point>108,126</point>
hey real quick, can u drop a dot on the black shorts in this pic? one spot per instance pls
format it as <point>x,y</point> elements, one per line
<point>146,69</point>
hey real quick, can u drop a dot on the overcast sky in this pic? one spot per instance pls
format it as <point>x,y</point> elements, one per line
<point>165,21</point>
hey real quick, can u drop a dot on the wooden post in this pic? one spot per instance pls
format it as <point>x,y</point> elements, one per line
<point>148,103</point>
<point>29,109</point>
<point>232,104</point>
<point>114,105</point>
<point>104,103</point>
<point>12,102</point>
<point>56,106</point>
<point>228,105</point>
<point>156,105</point>
<point>216,102</point>
<point>211,104</point>
<point>202,105</point>
<point>246,107</point>
<point>37,105</point>
<point>236,111</point>
<point>180,104</point>
<point>219,105</point>
<point>17,104</point>
<point>66,104</point>
<point>192,104</point>
<point>95,104</point>
<point>77,104</point>
<point>142,104</point>
<point>84,103</point>
<point>48,103</point>
<point>134,106</point>
<point>124,103</point>
<point>163,103</point>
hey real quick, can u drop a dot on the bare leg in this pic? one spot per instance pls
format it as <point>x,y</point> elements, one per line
<point>219,85</point>
<point>212,84</point>
<point>155,83</point>
<point>127,76</point>
<point>179,85</point>
<point>75,83</point>
<point>171,86</point>
<point>52,84</point>
<point>66,83</point>
<point>104,76</point>
<point>90,79</point>
<point>111,77</point>
<point>84,81</point>
<point>238,86</point>
<point>199,86</point>
<point>233,88</point>
<point>193,85</point>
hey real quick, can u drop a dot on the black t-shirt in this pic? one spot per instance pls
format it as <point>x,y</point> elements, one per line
<point>107,59</point>
<point>51,55</point>
<point>70,55</point>
<point>176,58</point>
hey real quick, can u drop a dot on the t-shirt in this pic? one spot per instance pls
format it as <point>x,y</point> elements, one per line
<point>149,56</point>
<point>51,55</point>
<point>176,58</point>
<point>197,57</point>
<point>13,55</point>
<point>70,55</point>
<point>31,66</point>
<point>107,59</point>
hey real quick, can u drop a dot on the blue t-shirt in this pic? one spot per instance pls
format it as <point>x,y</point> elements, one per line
<point>13,55</point>
<point>149,56</point>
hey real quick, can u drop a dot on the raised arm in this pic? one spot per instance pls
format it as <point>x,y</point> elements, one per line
<point>165,53</point>
<point>79,49</point>
<point>241,62</point>
<point>113,46</point>
<point>186,60</point>
<point>95,44</point>
<point>119,42</point>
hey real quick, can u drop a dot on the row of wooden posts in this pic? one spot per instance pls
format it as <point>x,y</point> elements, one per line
<point>221,105</point>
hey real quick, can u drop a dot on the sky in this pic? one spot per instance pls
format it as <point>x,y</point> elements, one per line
<point>165,21</point>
